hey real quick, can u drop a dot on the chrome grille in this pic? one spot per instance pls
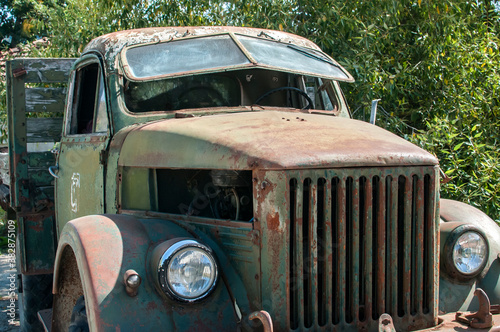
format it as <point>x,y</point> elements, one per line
<point>362,243</point>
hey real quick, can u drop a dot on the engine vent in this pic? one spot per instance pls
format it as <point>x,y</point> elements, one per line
<point>362,243</point>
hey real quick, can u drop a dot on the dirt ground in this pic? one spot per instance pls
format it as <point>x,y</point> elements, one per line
<point>9,311</point>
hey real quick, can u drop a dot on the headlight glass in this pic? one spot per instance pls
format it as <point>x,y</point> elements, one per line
<point>191,273</point>
<point>470,252</point>
<point>187,269</point>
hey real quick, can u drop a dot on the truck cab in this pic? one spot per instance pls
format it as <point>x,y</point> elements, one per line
<point>211,178</point>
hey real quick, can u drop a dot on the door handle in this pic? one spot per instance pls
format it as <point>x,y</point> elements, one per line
<point>53,170</point>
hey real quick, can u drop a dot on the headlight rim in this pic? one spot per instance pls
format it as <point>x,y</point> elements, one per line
<point>448,261</point>
<point>167,257</point>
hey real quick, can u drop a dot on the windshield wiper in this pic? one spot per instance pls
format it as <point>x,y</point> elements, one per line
<point>311,55</point>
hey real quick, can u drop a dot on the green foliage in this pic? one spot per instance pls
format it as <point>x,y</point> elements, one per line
<point>3,230</point>
<point>434,64</point>
<point>468,151</point>
<point>24,20</point>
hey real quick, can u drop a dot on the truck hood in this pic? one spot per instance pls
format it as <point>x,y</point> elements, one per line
<point>266,140</point>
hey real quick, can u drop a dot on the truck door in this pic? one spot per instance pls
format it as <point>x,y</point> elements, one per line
<point>81,162</point>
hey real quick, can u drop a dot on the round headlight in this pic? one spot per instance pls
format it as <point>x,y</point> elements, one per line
<point>465,252</point>
<point>187,271</point>
<point>470,253</point>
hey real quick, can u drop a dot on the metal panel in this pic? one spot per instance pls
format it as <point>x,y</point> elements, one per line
<point>378,261</point>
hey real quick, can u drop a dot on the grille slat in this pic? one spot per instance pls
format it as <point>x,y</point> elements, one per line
<point>407,246</point>
<point>420,244</point>
<point>368,238</point>
<point>392,225</point>
<point>381,211</point>
<point>432,259</point>
<point>328,257</point>
<point>341,242</point>
<point>361,246</point>
<point>355,261</point>
<point>313,255</point>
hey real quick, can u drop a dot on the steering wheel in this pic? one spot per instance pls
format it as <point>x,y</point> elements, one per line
<point>201,96</point>
<point>291,88</point>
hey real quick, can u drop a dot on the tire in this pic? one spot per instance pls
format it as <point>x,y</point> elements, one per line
<point>36,295</point>
<point>79,322</point>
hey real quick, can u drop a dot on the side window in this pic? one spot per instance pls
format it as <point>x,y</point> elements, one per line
<point>101,116</point>
<point>88,114</point>
<point>318,91</point>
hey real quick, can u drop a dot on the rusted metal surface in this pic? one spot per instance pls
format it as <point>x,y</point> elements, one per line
<point>448,323</point>
<point>483,318</point>
<point>80,186</point>
<point>37,232</point>
<point>18,72</point>
<point>264,318</point>
<point>386,324</point>
<point>236,245</point>
<point>32,193</point>
<point>111,44</point>
<point>317,265</point>
<point>263,140</point>
<point>345,227</point>
<point>126,242</point>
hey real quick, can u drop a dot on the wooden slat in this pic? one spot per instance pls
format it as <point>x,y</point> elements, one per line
<point>45,99</point>
<point>44,193</point>
<point>16,114</point>
<point>41,159</point>
<point>44,129</point>
<point>43,70</point>
<point>40,177</point>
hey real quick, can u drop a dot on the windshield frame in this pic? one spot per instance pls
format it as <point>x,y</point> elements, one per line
<point>125,66</point>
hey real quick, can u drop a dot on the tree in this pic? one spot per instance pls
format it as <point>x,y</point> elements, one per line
<point>434,64</point>
<point>24,20</point>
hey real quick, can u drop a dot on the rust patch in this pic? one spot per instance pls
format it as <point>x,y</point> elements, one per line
<point>483,318</point>
<point>273,221</point>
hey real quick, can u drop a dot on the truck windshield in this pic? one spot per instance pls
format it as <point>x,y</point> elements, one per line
<point>220,53</point>
<point>231,89</point>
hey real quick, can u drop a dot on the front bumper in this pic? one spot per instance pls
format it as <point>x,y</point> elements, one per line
<point>449,323</point>
<point>487,318</point>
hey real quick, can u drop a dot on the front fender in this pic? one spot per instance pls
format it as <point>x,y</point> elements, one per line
<point>105,247</point>
<point>459,295</point>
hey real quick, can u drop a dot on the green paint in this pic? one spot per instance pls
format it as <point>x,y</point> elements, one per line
<point>323,188</point>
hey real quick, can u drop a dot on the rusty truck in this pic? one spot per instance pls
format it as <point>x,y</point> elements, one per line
<point>212,178</point>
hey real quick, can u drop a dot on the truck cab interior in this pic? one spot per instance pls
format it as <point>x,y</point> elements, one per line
<point>249,87</point>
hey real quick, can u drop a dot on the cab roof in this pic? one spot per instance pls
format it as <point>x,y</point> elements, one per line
<point>110,45</point>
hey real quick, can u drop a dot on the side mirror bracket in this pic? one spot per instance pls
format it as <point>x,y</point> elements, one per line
<point>373,113</point>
